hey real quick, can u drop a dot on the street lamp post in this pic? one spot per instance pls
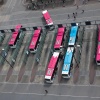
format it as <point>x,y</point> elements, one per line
<point>3,55</point>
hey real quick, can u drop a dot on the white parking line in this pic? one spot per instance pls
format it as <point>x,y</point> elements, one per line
<point>49,84</point>
<point>51,95</point>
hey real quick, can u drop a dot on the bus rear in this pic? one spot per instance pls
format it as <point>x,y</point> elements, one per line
<point>35,41</point>
<point>52,68</point>
<point>59,38</point>
<point>67,62</point>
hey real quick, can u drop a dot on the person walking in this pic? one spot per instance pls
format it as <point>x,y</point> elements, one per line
<point>46,91</point>
<point>76,13</point>
<point>82,11</point>
<point>68,16</point>
<point>73,14</point>
<point>77,7</point>
<point>74,17</point>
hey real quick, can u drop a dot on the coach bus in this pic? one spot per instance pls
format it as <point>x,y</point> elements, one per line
<point>18,27</point>
<point>47,17</point>
<point>35,40</point>
<point>15,36</point>
<point>59,38</point>
<point>98,47</point>
<point>73,36</point>
<point>52,68</point>
<point>68,62</point>
<point>13,39</point>
<point>98,54</point>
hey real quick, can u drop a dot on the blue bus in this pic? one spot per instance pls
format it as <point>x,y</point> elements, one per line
<point>73,36</point>
<point>68,62</point>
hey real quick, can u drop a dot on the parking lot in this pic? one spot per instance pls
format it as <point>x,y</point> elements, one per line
<point>84,71</point>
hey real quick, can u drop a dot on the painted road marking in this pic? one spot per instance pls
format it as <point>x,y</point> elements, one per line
<point>50,95</point>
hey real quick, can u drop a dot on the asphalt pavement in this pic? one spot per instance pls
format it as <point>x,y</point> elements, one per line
<point>36,91</point>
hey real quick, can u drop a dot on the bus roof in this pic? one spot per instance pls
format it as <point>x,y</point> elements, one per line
<point>98,53</point>
<point>34,39</point>
<point>58,42</point>
<point>17,27</point>
<point>67,60</point>
<point>61,30</point>
<point>46,14</point>
<point>98,33</point>
<point>13,38</point>
<point>73,34</point>
<point>51,65</point>
<point>59,38</point>
<point>47,17</point>
<point>36,32</point>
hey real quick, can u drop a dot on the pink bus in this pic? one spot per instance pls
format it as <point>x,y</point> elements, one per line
<point>35,41</point>
<point>59,38</point>
<point>18,27</point>
<point>52,68</point>
<point>47,17</point>
<point>15,36</point>
<point>98,55</point>
<point>13,39</point>
<point>98,47</point>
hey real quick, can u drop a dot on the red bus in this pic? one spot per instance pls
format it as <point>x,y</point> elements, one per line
<point>15,36</point>
<point>35,40</point>
<point>52,68</point>
<point>47,17</point>
<point>18,27</point>
<point>98,33</point>
<point>13,39</point>
<point>98,47</point>
<point>59,38</point>
<point>98,55</point>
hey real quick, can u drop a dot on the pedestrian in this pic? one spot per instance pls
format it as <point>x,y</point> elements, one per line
<point>73,14</point>
<point>76,13</point>
<point>74,17</point>
<point>82,11</point>
<point>68,16</point>
<point>46,91</point>
<point>77,7</point>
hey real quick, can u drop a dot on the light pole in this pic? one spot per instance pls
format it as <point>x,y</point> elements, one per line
<point>3,55</point>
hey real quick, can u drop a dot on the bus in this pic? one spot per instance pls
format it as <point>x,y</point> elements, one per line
<point>18,27</point>
<point>47,17</point>
<point>68,62</point>
<point>15,36</point>
<point>35,40</point>
<point>59,38</point>
<point>52,68</point>
<point>73,36</point>
<point>98,47</point>
<point>13,39</point>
